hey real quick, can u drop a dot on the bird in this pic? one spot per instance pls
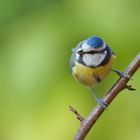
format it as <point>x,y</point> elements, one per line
<point>91,62</point>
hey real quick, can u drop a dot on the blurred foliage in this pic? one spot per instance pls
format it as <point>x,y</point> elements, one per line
<point>36,37</point>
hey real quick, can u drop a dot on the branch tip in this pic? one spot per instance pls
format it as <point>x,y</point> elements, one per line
<point>129,87</point>
<point>78,116</point>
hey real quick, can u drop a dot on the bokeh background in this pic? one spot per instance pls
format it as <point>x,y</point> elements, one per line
<point>36,87</point>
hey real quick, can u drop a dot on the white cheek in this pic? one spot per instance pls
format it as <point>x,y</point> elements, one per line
<point>93,60</point>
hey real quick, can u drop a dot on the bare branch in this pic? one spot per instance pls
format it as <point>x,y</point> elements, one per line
<point>113,92</point>
<point>78,116</point>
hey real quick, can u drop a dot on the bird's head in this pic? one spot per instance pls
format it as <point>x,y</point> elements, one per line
<point>94,43</point>
<point>91,48</point>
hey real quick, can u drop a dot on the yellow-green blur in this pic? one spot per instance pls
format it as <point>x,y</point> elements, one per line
<point>36,87</point>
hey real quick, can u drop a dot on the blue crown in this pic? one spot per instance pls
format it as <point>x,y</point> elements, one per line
<point>95,42</point>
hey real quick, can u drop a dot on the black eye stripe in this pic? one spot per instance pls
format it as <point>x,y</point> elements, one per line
<point>90,52</point>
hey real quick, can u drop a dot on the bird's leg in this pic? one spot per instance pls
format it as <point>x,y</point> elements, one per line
<point>98,100</point>
<point>122,74</point>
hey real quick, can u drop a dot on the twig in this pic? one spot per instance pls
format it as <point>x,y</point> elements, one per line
<point>78,116</point>
<point>129,87</point>
<point>113,92</point>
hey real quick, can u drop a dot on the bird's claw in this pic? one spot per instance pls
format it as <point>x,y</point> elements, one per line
<point>102,103</point>
<point>123,74</point>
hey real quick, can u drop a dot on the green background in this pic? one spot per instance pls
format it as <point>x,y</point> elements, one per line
<point>36,87</point>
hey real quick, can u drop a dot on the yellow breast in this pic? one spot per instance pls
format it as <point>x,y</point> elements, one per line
<point>91,76</point>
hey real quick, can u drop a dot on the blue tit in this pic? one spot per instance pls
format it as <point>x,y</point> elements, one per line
<point>91,61</point>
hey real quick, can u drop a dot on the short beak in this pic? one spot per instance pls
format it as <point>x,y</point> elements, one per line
<point>80,52</point>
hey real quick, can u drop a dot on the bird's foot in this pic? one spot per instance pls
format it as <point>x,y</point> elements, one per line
<point>102,103</point>
<point>122,74</point>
